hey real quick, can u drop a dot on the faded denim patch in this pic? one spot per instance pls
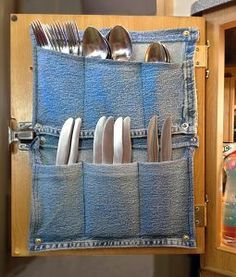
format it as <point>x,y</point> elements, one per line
<point>128,205</point>
<point>69,86</point>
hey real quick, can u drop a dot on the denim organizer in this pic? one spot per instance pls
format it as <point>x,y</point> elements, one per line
<point>90,205</point>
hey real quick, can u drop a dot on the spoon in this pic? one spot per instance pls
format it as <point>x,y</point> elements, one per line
<point>94,45</point>
<point>120,44</point>
<point>167,53</point>
<point>155,53</point>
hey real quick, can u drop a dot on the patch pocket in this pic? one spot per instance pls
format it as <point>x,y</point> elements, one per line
<point>111,200</point>
<point>112,88</point>
<point>57,212</point>
<point>163,87</point>
<point>58,87</point>
<point>166,199</point>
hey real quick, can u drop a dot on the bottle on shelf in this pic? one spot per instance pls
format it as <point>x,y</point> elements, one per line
<point>229,197</point>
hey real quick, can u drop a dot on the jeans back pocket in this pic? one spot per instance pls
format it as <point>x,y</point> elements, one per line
<point>166,199</point>
<point>111,200</point>
<point>57,211</point>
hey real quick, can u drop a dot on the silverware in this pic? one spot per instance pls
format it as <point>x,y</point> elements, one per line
<point>63,148</point>
<point>74,146</point>
<point>62,37</point>
<point>94,45</point>
<point>118,141</point>
<point>166,141</point>
<point>155,53</point>
<point>97,142</point>
<point>152,140</point>
<point>40,36</point>
<point>127,147</point>
<point>107,141</point>
<point>120,44</point>
<point>168,57</point>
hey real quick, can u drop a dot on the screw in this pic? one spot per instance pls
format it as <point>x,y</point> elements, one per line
<point>42,140</point>
<point>186,33</point>
<point>185,237</point>
<point>38,241</point>
<point>13,18</point>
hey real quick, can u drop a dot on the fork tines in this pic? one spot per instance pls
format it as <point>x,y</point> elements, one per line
<point>62,37</point>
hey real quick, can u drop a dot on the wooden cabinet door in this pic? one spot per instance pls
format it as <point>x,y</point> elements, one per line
<point>219,260</point>
<point>229,108</point>
<point>21,110</point>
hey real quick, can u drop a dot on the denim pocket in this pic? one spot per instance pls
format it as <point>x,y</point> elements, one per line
<point>166,198</point>
<point>163,91</point>
<point>57,212</point>
<point>112,88</point>
<point>58,87</point>
<point>111,200</point>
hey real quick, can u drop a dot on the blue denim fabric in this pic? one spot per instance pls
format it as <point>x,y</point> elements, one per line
<point>129,205</point>
<point>166,198</point>
<point>57,213</point>
<point>66,85</point>
<point>111,200</point>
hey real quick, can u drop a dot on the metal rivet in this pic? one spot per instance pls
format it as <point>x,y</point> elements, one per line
<point>31,67</point>
<point>186,33</point>
<point>42,140</point>
<point>197,49</point>
<point>184,125</point>
<point>197,209</point>
<point>197,222</point>
<point>13,17</point>
<point>37,125</point>
<point>38,241</point>
<point>197,63</point>
<point>185,237</point>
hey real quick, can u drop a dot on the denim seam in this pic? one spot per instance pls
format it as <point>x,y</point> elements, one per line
<point>139,202</point>
<point>191,193</point>
<point>85,219</point>
<point>120,243</point>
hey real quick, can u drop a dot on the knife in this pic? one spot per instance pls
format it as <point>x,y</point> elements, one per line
<point>63,148</point>
<point>107,141</point>
<point>97,141</point>
<point>152,140</point>
<point>127,148</point>
<point>118,141</point>
<point>166,141</point>
<point>74,148</point>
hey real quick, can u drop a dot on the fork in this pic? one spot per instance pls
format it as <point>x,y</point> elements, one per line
<point>62,37</point>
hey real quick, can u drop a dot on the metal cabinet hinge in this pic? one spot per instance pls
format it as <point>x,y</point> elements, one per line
<point>201,215</point>
<point>201,55</point>
<point>20,135</point>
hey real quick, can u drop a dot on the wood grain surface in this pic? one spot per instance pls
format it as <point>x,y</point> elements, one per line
<point>218,259</point>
